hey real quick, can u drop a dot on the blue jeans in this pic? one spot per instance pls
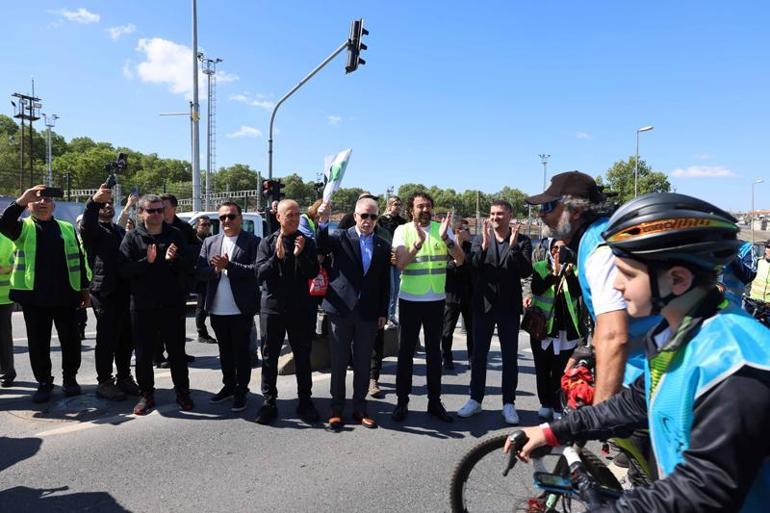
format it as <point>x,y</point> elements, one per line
<point>395,283</point>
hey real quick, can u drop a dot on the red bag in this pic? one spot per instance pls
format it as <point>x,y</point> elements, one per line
<point>319,284</point>
<point>578,386</point>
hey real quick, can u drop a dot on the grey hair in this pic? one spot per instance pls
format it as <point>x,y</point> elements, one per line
<point>147,199</point>
<point>364,201</point>
<point>586,206</point>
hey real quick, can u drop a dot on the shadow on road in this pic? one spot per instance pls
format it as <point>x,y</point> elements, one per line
<point>22,499</point>
<point>14,450</point>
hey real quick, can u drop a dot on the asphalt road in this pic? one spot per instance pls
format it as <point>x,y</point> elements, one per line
<point>86,454</point>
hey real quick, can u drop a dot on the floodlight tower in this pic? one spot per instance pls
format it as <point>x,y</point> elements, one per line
<point>50,122</point>
<point>210,69</point>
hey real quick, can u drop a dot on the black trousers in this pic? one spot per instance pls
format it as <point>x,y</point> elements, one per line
<point>39,321</point>
<point>149,327</point>
<point>200,313</point>
<point>113,336</point>
<point>412,315</point>
<point>300,326</point>
<point>508,333</point>
<point>378,353</point>
<point>452,312</point>
<point>549,368</point>
<point>6,340</point>
<point>233,337</point>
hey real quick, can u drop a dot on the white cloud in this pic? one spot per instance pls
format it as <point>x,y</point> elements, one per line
<point>80,15</point>
<point>704,156</point>
<point>121,30</point>
<point>128,69</point>
<point>334,120</point>
<point>257,100</point>
<point>167,62</point>
<point>583,135</point>
<point>702,172</point>
<point>246,131</point>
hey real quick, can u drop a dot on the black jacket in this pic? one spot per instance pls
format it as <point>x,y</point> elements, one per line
<point>242,271</point>
<point>349,287</point>
<point>459,280</point>
<point>52,287</point>
<point>102,243</point>
<point>161,284</point>
<point>390,223</point>
<point>285,282</point>
<point>497,275</point>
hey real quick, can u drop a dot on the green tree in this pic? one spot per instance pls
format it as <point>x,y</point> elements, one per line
<point>620,179</point>
<point>344,200</point>
<point>297,189</point>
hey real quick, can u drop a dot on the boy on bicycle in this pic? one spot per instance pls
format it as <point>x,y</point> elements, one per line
<point>705,392</point>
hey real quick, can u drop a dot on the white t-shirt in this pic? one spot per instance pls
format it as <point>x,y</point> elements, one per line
<point>600,273</point>
<point>398,241</point>
<point>224,303</point>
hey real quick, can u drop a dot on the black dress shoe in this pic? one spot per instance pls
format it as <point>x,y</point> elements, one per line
<point>43,392</point>
<point>205,338</point>
<point>267,414</point>
<point>8,379</point>
<point>190,358</point>
<point>437,410</point>
<point>400,412</point>
<point>307,412</point>
<point>162,364</point>
<point>449,365</point>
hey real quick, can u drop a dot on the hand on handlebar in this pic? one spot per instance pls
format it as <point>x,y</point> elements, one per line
<point>534,438</point>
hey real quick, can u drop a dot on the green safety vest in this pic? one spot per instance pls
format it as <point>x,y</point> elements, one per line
<point>6,260</point>
<point>23,275</point>
<point>760,287</point>
<point>310,222</point>
<point>427,272</point>
<point>546,302</point>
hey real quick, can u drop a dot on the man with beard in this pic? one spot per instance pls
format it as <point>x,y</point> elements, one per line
<point>500,260</point>
<point>422,249</point>
<point>109,298</point>
<point>572,209</point>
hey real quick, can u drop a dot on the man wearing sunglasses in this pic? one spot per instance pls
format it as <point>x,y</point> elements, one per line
<point>356,303</point>
<point>155,259</point>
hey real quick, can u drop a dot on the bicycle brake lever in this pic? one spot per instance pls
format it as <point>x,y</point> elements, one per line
<point>518,440</point>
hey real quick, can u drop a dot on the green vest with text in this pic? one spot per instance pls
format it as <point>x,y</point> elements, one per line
<point>760,287</point>
<point>546,301</point>
<point>427,272</point>
<point>23,275</point>
<point>6,260</point>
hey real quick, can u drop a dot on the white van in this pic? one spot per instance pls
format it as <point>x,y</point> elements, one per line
<point>252,222</point>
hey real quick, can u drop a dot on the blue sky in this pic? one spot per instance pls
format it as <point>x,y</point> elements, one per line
<point>457,94</point>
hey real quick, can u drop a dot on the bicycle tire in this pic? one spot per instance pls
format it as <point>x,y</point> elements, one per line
<point>598,469</point>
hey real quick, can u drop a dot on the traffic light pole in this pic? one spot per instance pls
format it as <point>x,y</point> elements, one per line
<point>285,97</point>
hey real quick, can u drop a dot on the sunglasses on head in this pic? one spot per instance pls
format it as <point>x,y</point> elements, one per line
<point>227,216</point>
<point>154,210</point>
<point>373,217</point>
<point>548,207</point>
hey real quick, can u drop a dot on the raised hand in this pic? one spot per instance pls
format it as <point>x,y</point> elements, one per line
<point>514,234</point>
<point>131,201</point>
<point>152,253</point>
<point>420,236</point>
<point>445,224</point>
<point>103,195</point>
<point>30,195</point>
<point>299,245</point>
<point>220,262</point>
<point>280,252</point>
<point>324,211</point>
<point>486,234</point>
<point>171,252</point>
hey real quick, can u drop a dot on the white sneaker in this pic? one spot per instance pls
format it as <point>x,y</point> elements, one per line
<point>545,412</point>
<point>510,414</point>
<point>469,409</point>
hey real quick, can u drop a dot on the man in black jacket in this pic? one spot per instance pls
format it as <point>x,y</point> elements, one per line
<point>356,303</point>
<point>109,297</point>
<point>156,260</point>
<point>49,281</point>
<point>285,263</point>
<point>202,232</point>
<point>459,292</point>
<point>228,265</point>
<point>500,258</point>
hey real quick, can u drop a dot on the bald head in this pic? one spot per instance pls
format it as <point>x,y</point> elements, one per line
<point>288,216</point>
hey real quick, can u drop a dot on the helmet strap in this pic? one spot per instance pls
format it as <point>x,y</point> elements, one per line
<point>659,303</point>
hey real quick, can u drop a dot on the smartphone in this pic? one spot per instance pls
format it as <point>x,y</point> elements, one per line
<point>52,192</point>
<point>111,181</point>
<point>554,482</point>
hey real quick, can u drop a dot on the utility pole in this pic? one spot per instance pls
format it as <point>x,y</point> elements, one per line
<point>27,108</point>
<point>478,212</point>
<point>210,69</point>
<point>50,122</point>
<point>196,151</point>
<point>544,160</point>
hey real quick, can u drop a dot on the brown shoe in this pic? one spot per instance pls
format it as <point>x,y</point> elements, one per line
<point>364,419</point>
<point>374,389</point>
<point>335,422</point>
<point>145,405</point>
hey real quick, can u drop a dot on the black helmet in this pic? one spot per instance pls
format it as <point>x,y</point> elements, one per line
<point>667,227</point>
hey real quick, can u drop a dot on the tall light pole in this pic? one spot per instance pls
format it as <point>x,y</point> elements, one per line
<point>196,151</point>
<point>751,216</point>
<point>50,122</point>
<point>210,70</point>
<point>544,159</point>
<point>636,162</point>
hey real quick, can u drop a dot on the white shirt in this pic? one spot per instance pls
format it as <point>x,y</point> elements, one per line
<point>600,273</point>
<point>398,241</point>
<point>224,303</point>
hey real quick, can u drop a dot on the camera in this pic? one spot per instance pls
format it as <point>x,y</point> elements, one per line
<point>114,167</point>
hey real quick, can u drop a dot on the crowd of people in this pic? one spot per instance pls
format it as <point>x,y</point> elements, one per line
<point>654,284</point>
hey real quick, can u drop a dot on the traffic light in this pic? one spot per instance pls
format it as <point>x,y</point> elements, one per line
<point>271,190</point>
<point>355,45</point>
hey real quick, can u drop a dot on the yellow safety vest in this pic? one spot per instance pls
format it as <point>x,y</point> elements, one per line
<point>427,272</point>
<point>6,260</point>
<point>23,275</point>
<point>546,301</point>
<point>760,287</point>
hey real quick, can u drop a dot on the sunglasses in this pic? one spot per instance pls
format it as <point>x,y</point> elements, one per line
<point>231,217</point>
<point>154,210</point>
<point>548,207</point>
<point>373,217</point>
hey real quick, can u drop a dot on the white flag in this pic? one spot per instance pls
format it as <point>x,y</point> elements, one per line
<point>334,170</point>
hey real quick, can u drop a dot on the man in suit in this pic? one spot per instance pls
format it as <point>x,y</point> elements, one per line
<point>231,303</point>
<point>356,303</point>
<point>501,258</point>
<point>286,261</point>
<point>459,293</point>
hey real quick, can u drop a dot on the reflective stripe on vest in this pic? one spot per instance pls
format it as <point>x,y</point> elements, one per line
<point>427,272</point>
<point>760,287</point>
<point>547,301</point>
<point>23,275</point>
<point>6,260</point>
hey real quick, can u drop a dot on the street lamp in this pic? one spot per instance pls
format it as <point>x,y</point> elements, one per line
<point>50,122</point>
<point>544,160</point>
<point>751,215</point>
<point>636,162</point>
